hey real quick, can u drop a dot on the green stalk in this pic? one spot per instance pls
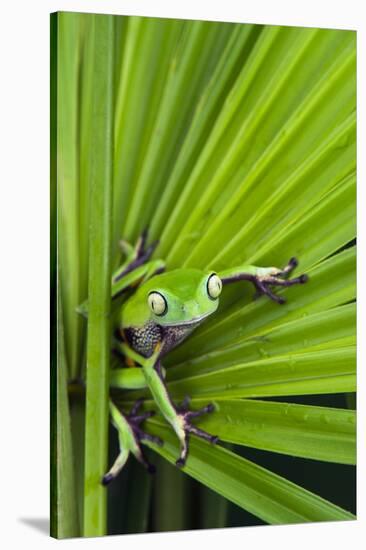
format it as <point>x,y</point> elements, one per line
<point>53,275</point>
<point>99,279</point>
<point>63,513</point>
<point>214,509</point>
<point>170,498</point>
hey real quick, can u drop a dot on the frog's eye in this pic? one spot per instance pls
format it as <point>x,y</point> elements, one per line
<point>157,303</point>
<point>214,286</point>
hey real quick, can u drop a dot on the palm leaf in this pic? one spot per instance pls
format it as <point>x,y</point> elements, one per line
<point>233,143</point>
<point>320,433</point>
<point>265,494</point>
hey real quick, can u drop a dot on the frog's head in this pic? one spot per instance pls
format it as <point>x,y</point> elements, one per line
<point>182,296</point>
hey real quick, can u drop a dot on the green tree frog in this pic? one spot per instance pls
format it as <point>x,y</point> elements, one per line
<point>163,311</point>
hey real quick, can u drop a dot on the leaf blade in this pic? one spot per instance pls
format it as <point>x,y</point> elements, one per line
<point>261,492</point>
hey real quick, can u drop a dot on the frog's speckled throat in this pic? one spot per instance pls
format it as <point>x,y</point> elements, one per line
<point>144,339</point>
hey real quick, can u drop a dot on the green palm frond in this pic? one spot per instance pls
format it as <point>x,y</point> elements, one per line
<point>232,143</point>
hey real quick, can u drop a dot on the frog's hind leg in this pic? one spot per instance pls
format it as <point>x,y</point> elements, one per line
<point>136,419</point>
<point>130,436</point>
<point>137,267</point>
<point>136,256</point>
<point>178,416</point>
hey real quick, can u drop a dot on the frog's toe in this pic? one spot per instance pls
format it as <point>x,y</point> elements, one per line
<point>153,438</point>
<point>117,467</point>
<point>204,435</point>
<point>190,429</point>
<point>135,418</point>
<point>107,478</point>
<point>150,468</point>
<point>184,442</point>
<point>180,462</point>
<point>183,406</point>
<point>205,410</point>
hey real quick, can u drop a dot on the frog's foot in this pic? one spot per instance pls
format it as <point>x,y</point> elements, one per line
<point>130,438</point>
<point>268,277</point>
<point>138,255</point>
<point>134,419</point>
<point>185,428</point>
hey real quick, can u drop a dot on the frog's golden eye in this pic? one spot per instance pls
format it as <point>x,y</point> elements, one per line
<point>214,286</point>
<point>157,303</point>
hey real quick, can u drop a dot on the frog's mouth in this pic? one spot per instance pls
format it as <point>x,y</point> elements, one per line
<point>194,321</point>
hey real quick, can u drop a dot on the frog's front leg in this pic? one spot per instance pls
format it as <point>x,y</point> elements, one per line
<point>130,436</point>
<point>264,278</point>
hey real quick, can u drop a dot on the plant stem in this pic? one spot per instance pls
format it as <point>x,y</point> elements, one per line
<point>171,498</point>
<point>64,513</point>
<point>99,278</point>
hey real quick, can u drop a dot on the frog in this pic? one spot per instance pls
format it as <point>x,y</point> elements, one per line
<point>162,311</point>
